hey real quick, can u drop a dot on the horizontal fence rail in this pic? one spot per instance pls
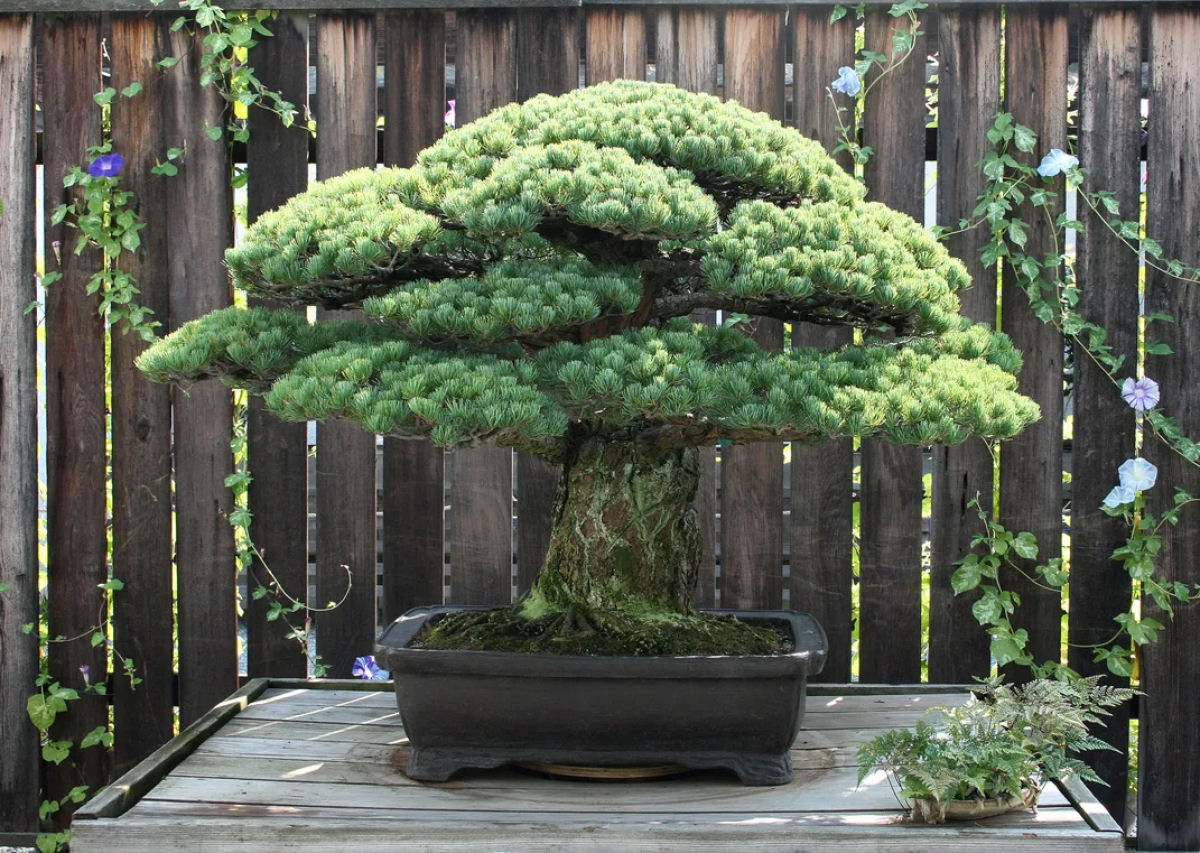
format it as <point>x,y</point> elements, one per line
<point>864,536</point>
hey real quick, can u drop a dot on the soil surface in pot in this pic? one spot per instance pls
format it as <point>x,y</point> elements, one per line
<point>576,631</point>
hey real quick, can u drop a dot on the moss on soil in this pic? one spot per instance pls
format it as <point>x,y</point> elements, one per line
<point>576,631</point>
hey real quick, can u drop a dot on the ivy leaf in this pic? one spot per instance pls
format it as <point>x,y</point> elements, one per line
<point>56,751</point>
<point>132,89</point>
<point>105,97</point>
<point>42,710</point>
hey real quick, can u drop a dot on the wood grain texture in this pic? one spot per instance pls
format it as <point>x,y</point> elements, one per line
<point>1169,792</point>
<point>240,787</point>
<point>76,537</point>
<point>345,468</point>
<point>686,51</point>
<point>143,624</point>
<point>414,554</point>
<point>1031,463</point>
<point>822,512</point>
<point>686,47</point>
<point>277,167</point>
<point>968,98</point>
<point>547,51</point>
<point>547,61</point>
<point>752,475</point>
<point>1110,144</point>
<point>18,428</point>
<point>200,222</point>
<point>890,514</point>
<point>615,44</point>
<point>480,479</point>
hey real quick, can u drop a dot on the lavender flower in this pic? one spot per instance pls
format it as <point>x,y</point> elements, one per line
<point>1141,394</point>
<point>106,166</point>
<point>847,81</point>
<point>1056,162</point>
<point>451,117</point>
<point>366,669</point>
<point>86,672</point>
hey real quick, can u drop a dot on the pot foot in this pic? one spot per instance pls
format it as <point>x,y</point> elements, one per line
<point>438,764</point>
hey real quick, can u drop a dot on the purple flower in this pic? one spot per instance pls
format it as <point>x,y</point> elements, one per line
<point>106,166</point>
<point>1056,162</point>
<point>366,669</point>
<point>1141,394</point>
<point>86,672</point>
<point>847,81</point>
<point>451,118</point>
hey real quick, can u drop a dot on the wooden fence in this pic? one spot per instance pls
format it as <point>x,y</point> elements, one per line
<point>157,518</point>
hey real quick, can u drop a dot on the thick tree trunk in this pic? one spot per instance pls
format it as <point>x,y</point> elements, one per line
<point>625,532</point>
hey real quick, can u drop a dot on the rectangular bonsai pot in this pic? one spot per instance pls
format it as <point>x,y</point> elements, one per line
<point>484,709</point>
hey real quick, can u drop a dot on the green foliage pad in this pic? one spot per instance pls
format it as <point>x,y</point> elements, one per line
<point>529,283</point>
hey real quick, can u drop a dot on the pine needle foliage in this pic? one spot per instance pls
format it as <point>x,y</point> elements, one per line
<point>1006,742</point>
<point>530,279</point>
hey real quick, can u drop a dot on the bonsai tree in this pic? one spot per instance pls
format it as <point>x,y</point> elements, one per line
<point>529,283</point>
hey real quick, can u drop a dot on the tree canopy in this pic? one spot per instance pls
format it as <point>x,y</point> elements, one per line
<point>537,269</point>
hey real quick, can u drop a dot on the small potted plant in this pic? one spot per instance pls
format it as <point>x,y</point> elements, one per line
<point>995,753</point>
<point>530,283</point>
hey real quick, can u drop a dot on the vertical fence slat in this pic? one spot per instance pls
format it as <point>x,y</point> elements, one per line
<point>752,475</point>
<point>277,169</point>
<point>143,717</point>
<point>76,534</point>
<point>414,556</point>
<point>18,429</point>
<point>200,219</point>
<point>822,510</point>
<point>686,55</point>
<point>615,43</point>
<point>547,61</point>
<point>1110,87</point>
<point>1031,463</point>
<point>345,452</point>
<point>890,513</point>
<point>481,478</point>
<point>1169,769</point>
<point>968,98</point>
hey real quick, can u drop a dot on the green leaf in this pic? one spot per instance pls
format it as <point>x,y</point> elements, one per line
<point>99,736</point>
<point>105,97</point>
<point>1026,545</point>
<point>1158,348</point>
<point>214,132</point>
<point>132,89</point>
<point>168,62</point>
<point>1024,138</point>
<point>42,711</point>
<point>837,14</point>
<point>966,577</point>
<point>56,751</point>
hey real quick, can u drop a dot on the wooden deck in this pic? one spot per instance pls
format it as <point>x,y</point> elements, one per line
<point>305,766</point>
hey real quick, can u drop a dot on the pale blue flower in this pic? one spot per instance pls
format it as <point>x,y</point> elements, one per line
<point>847,81</point>
<point>1056,162</point>
<point>1137,474</point>
<point>451,117</point>
<point>366,669</point>
<point>1141,394</point>
<point>1118,496</point>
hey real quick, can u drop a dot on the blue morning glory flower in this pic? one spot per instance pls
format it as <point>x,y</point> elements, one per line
<point>847,81</point>
<point>1137,474</point>
<point>1141,394</point>
<point>1118,496</point>
<point>366,669</point>
<point>106,165</point>
<point>1056,162</point>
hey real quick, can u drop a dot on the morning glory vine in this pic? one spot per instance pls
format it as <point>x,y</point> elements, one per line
<point>1054,300</point>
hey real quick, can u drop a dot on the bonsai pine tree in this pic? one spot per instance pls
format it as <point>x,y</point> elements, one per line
<point>529,283</point>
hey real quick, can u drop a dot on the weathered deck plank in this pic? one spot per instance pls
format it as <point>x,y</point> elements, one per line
<point>300,766</point>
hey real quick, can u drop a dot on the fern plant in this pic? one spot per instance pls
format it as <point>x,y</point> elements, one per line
<point>1003,744</point>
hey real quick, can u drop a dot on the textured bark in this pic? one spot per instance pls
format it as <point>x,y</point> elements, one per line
<point>624,527</point>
